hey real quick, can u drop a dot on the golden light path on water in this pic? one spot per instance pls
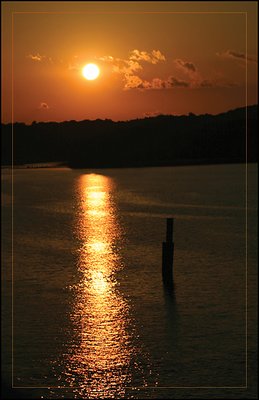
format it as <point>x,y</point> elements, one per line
<point>100,362</point>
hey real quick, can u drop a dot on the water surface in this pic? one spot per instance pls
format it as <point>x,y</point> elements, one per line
<point>91,317</point>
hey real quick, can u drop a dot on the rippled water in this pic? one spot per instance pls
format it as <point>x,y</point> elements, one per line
<point>91,318</point>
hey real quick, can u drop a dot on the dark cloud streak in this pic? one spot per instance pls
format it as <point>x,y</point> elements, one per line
<point>232,54</point>
<point>186,66</point>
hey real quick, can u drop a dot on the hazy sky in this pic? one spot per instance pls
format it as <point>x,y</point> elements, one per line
<point>154,57</point>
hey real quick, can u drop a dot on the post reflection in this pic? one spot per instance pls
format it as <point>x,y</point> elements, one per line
<point>100,359</point>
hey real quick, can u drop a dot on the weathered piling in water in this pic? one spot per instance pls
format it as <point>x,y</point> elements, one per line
<point>168,254</point>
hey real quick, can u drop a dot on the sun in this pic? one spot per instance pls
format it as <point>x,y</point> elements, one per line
<point>90,72</point>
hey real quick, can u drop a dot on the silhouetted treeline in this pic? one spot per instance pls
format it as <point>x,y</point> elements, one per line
<point>153,141</point>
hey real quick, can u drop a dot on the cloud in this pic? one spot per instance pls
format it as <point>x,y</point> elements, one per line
<point>235,55</point>
<point>43,106</point>
<point>206,83</point>
<point>36,57</point>
<point>196,80</point>
<point>40,58</point>
<point>129,66</point>
<point>158,55</point>
<point>186,66</point>
<point>132,82</point>
<point>158,83</point>
<point>129,70</point>
<point>214,83</point>
<point>126,67</point>
<point>106,58</point>
<point>122,66</point>
<point>154,57</point>
<point>135,82</point>
<point>174,82</point>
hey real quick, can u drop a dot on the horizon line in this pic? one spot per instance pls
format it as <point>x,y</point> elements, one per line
<point>190,113</point>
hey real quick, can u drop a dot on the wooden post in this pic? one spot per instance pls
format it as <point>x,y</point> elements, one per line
<point>169,229</point>
<point>168,254</point>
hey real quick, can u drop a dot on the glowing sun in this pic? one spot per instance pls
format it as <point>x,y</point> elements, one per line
<point>90,72</point>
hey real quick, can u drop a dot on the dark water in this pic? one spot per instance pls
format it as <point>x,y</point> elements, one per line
<point>91,318</point>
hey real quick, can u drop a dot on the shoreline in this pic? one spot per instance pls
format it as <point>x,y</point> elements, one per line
<point>183,163</point>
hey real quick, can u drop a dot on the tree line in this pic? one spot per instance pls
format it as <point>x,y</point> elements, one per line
<point>153,141</point>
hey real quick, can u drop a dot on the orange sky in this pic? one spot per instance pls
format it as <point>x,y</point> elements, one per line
<point>168,58</point>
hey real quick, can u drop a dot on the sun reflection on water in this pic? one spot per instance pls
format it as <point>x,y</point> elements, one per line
<point>100,360</point>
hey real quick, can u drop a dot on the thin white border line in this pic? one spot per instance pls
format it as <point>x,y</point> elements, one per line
<point>128,12</point>
<point>12,230</point>
<point>246,227</point>
<point>246,202</point>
